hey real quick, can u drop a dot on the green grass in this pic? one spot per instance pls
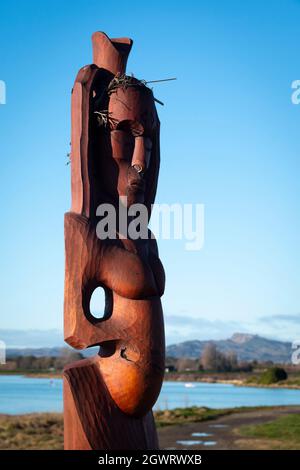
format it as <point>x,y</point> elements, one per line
<point>292,381</point>
<point>193,414</point>
<point>283,432</point>
<point>188,415</point>
<point>273,375</point>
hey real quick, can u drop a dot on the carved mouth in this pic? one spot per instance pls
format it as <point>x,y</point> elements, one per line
<point>109,348</point>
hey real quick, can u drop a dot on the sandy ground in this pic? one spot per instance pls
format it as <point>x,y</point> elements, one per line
<point>221,433</point>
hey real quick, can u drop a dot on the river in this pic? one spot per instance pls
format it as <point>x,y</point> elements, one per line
<point>19,394</point>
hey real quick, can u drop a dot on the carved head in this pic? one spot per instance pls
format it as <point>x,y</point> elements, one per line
<point>128,142</point>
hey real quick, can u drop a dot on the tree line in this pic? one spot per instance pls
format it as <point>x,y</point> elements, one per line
<point>211,360</point>
<point>44,363</point>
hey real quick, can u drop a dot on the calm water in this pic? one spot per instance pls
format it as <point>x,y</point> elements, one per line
<point>19,394</point>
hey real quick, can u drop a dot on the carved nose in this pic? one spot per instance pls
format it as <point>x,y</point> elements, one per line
<point>135,177</point>
<point>141,153</point>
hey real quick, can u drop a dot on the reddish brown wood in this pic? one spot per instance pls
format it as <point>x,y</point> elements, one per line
<point>108,399</point>
<point>111,54</point>
<point>99,424</point>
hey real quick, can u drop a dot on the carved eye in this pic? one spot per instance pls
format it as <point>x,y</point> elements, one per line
<point>100,305</point>
<point>133,127</point>
<point>97,303</point>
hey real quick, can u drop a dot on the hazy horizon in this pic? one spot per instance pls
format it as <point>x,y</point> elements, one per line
<point>53,338</point>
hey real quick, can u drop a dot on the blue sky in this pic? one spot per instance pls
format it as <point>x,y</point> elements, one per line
<point>229,140</point>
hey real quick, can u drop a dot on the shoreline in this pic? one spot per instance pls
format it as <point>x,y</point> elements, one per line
<point>176,378</point>
<point>201,413</point>
<point>236,382</point>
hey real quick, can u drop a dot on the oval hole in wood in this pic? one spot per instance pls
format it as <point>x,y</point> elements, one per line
<point>97,303</point>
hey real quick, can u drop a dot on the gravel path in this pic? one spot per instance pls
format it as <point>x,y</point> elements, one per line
<point>220,433</point>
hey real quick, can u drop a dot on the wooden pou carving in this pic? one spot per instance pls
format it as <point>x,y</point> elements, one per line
<point>115,154</point>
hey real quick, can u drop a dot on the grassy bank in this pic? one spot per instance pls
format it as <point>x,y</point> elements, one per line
<point>252,379</point>
<point>193,414</point>
<point>281,433</point>
<point>32,431</point>
<point>45,430</point>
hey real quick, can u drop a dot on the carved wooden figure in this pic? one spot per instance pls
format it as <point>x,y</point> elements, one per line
<point>108,398</point>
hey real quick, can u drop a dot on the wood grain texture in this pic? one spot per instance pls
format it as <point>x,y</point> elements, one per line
<point>100,424</point>
<point>108,398</point>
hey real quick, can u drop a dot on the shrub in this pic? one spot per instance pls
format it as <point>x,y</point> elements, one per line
<point>273,375</point>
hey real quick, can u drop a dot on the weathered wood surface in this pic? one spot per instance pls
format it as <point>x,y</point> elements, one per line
<point>108,399</point>
<point>100,424</point>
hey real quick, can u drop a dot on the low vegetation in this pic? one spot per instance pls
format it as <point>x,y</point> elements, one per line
<point>192,414</point>
<point>44,365</point>
<point>32,431</point>
<point>45,430</point>
<point>281,433</point>
<point>273,375</point>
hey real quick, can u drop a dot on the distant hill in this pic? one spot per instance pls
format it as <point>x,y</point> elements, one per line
<point>247,347</point>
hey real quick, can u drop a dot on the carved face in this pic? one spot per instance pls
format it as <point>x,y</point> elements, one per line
<point>128,144</point>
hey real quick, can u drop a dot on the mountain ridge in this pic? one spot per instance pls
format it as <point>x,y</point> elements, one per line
<point>247,347</point>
